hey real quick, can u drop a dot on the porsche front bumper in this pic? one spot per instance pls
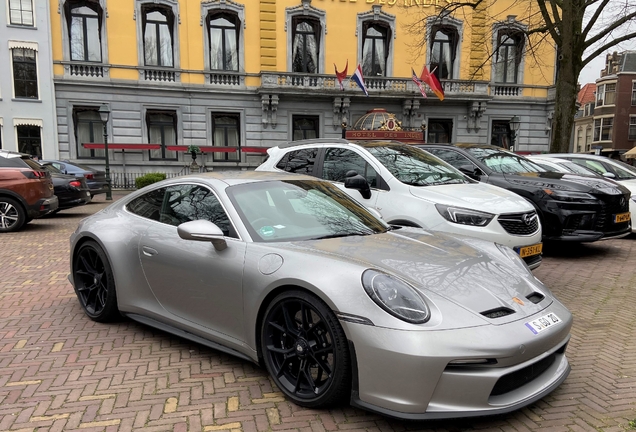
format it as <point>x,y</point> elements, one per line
<point>411,375</point>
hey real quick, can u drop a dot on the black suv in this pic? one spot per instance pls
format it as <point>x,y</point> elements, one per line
<point>571,207</point>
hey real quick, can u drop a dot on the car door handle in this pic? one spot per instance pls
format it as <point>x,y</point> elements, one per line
<point>148,251</point>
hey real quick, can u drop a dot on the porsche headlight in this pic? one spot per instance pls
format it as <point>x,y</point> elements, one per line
<point>464,216</point>
<point>396,297</point>
<point>570,196</point>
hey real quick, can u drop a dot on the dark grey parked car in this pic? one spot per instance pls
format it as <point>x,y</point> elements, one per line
<point>95,179</point>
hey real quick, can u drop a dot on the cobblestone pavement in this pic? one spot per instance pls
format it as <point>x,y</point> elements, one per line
<point>60,371</point>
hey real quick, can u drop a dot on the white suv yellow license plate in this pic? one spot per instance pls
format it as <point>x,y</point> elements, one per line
<point>531,250</point>
<point>543,323</point>
<point>622,217</point>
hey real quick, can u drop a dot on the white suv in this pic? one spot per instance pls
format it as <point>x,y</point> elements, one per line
<point>411,187</point>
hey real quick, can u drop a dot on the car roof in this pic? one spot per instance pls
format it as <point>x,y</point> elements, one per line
<point>547,159</point>
<point>239,177</point>
<point>12,154</point>
<point>341,141</point>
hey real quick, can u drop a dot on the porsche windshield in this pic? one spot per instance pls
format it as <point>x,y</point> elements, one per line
<point>504,162</point>
<point>415,167</point>
<point>300,210</point>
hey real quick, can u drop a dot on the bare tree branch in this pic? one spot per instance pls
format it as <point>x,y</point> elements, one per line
<point>608,30</point>
<point>594,18</point>
<point>607,46</point>
<point>549,22</point>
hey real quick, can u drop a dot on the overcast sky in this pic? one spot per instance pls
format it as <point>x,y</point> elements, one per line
<point>592,71</point>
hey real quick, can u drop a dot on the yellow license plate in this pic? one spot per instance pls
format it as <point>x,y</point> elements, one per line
<point>527,251</point>
<point>622,217</point>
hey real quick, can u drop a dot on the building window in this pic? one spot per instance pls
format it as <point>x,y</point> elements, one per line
<point>21,12</point>
<point>632,129</point>
<point>605,94</point>
<point>225,133</point>
<point>25,73</point>
<point>84,20</point>
<point>588,138</point>
<point>603,129</point>
<point>508,56</point>
<point>88,129</point>
<point>306,40</point>
<point>440,131</point>
<point>375,48</point>
<point>224,41</point>
<point>29,140</point>
<point>162,129</point>
<point>158,25</point>
<point>305,127</point>
<point>579,140</point>
<point>500,135</point>
<point>443,51</point>
<point>633,93</point>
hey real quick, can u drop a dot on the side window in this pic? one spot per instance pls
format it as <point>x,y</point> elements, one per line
<point>451,157</point>
<point>148,205</point>
<point>621,174</point>
<point>299,161</point>
<point>185,203</point>
<point>339,161</point>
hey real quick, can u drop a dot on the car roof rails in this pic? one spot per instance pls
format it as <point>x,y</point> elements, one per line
<point>314,141</point>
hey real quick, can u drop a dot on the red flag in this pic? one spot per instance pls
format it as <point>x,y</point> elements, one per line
<point>433,83</point>
<point>341,75</point>
<point>418,83</point>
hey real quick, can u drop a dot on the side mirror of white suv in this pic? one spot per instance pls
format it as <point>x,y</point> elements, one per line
<point>353,180</point>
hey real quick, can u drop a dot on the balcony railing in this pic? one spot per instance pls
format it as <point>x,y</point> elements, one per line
<point>224,78</point>
<point>85,69</point>
<point>159,74</point>
<point>507,90</point>
<point>384,85</point>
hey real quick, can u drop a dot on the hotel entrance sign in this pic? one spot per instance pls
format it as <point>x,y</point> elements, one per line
<point>403,136</point>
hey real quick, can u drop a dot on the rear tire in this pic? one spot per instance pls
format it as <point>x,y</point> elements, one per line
<point>94,283</point>
<point>12,215</point>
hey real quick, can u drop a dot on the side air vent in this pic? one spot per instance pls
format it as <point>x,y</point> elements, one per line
<point>535,297</point>
<point>498,312</point>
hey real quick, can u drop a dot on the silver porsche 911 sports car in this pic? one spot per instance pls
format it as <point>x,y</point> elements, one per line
<point>287,271</point>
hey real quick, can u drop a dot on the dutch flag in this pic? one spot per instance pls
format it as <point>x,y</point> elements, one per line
<point>359,79</point>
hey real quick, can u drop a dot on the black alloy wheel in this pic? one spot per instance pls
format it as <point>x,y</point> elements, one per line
<point>12,215</point>
<point>94,283</point>
<point>305,350</point>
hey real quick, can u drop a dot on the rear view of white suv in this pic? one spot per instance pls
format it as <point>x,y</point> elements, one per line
<point>409,186</point>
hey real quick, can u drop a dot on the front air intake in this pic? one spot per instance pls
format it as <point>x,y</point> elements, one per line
<point>498,312</point>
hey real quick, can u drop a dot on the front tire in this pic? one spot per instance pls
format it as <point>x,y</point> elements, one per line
<point>12,215</point>
<point>305,350</point>
<point>94,283</point>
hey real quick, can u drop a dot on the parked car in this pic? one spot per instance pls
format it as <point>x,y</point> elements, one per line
<point>26,191</point>
<point>289,271</point>
<point>571,207</point>
<point>71,191</point>
<point>410,187</point>
<point>613,169</point>
<point>561,165</point>
<point>95,179</point>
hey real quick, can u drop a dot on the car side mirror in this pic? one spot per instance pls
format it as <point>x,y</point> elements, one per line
<point>203,230</point>
<point>609,175</point>
<point>353,180</point>
<point>471,171</point>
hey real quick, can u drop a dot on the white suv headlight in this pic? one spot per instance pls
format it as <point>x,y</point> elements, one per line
<point>464,216</point>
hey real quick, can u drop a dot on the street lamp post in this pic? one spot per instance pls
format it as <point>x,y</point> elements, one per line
<point>104,112</point>
<point>515,123</point>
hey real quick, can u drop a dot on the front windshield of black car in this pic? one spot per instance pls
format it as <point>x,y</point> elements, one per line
<point>415,167</point>
<point>300,210</point>
<point>504,162</point>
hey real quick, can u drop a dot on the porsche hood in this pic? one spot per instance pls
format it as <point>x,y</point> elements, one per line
<point>471,273</point>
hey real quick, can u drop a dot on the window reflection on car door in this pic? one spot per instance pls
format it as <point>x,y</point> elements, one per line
<point>339,161</point>
<point>191,279</point>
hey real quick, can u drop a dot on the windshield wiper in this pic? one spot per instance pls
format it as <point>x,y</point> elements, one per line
<point>328,236</point>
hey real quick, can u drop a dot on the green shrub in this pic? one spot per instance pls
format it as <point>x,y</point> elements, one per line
<point>148,179</point>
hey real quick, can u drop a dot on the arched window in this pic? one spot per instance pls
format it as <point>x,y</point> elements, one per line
<point>375,48</point>
<point>84,21</point>
<point>443,52</point>
<point>508,56</point>
<point>305,44</point>
<point>158,35</point>
<point>223,37</point>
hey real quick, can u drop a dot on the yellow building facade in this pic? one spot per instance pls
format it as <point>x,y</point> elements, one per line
<point>234,78</point>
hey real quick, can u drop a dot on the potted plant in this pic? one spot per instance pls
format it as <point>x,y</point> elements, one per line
<point>194,150</point>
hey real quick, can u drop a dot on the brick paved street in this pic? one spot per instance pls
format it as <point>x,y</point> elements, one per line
<point>60,371</point>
